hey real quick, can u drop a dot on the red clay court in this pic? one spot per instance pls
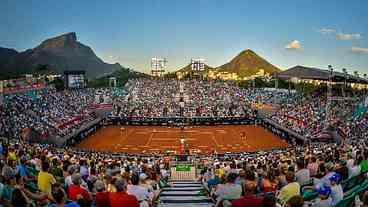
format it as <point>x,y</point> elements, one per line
<point>149,139</point>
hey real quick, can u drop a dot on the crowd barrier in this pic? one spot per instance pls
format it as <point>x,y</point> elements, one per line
<point>181,121</point>
<point>183,171</point>
<point>282,132</point>
<point>78,135</point>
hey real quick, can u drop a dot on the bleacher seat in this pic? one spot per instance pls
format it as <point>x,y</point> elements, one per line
<point>347,201</point>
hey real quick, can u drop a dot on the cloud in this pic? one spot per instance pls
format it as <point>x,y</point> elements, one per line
<point>359,50</point>
<point>294,45</point>
<point>327,31</point>
<point>110,58</point>
<point>342,36</point>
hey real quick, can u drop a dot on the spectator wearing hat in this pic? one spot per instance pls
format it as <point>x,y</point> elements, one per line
<point>76,192</point>
<point>329,172</point>
<point>140,192</point>
<point>102,197</point>
<point>121,198</point>
<point>289,190</point>
<point>143,179</point>
<point>45,179</point>
<point>324,199</point>
<point>337,193</point>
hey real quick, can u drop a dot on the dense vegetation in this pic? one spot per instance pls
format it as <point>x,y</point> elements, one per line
<point>122,76</point>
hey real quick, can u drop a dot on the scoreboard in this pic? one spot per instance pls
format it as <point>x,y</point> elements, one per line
<point>75,79</point>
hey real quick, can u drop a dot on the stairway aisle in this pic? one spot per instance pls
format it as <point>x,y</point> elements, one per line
<point>184,194</point>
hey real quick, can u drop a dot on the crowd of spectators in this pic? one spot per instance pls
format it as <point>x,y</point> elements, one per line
<point>309,175</point>
<point>149,98</point>
<point>313,175</point>
<point>308,116</point>
<point>154,98</point>
<point>40,175</point>
<point>46,112</point>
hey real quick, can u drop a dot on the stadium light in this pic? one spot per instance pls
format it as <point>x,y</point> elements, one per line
<point>158,66</point>
<point>329,94</point>
<point>197,64</point>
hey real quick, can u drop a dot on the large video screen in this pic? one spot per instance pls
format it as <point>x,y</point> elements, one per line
<point>76,81</point>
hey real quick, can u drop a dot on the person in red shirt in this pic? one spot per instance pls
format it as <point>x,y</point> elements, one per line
<point>250,199</point>
<point>76,192</point>
<point>102,197</point>
<point>121,198</point>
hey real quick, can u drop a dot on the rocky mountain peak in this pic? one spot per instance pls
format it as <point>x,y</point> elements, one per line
<point>64,40</point>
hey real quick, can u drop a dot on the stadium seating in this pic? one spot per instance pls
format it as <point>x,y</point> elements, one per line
<point>40,173</point>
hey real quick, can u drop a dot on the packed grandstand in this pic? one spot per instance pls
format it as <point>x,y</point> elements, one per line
<point>308,173</point>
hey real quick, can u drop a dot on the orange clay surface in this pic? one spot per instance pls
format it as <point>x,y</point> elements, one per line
<point>150,139</point>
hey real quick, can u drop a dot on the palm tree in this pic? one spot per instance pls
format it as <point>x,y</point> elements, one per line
<point>345,77</point>
<point>356,74</point>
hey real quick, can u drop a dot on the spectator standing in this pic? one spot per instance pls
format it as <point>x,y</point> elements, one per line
<point>77,193</point>
<point>45,179</point>
<point>290,190</point>
<point>121,198</point>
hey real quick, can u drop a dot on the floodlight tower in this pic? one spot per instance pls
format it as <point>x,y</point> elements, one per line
<point>329,94</point>
<point>197,66</point>
<point>158,66</point>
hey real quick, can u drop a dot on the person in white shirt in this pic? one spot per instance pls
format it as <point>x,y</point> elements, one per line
<point>140,192</point>
<point>229,190</point>
<point>324,198</point>
<point>354,169</point>
<point>337,193</point>
<point>302,175</point>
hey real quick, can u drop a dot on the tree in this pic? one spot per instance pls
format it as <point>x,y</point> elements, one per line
<point>122,76</point>
<point>58,84</point>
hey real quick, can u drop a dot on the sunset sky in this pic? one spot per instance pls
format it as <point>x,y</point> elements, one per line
<point>285,32</point>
